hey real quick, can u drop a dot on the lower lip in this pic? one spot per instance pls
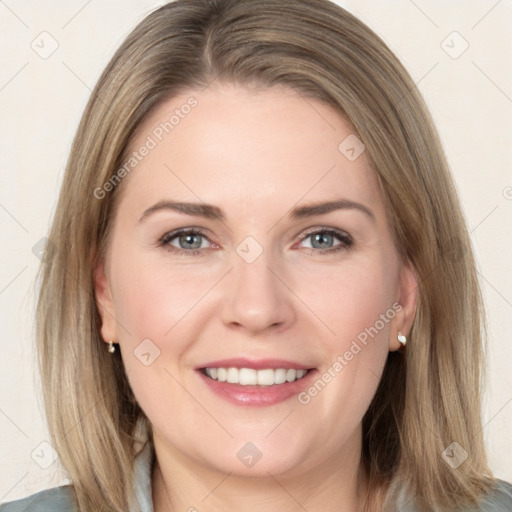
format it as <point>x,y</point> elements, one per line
<point>258,395</point>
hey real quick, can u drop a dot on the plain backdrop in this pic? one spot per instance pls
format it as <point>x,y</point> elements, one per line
<point>459,53</point>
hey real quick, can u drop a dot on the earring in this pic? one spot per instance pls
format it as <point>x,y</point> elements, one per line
<point>402,339</point>
<point>111,347</point>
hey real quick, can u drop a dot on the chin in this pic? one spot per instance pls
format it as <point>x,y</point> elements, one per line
<point>259,457</point>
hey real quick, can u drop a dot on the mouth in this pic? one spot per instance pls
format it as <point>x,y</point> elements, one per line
<point>258,383</point>
<point>253,377</point>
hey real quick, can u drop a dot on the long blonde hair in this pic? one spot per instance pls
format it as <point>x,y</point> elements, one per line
<point>428,398</point>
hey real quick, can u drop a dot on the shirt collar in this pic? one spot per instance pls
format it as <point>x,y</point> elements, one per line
<point>142,475</point>
<point>143,468</point>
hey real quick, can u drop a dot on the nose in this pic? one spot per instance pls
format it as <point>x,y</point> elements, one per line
<point>257,298</point>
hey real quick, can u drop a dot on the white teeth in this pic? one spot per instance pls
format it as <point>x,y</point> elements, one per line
<point>300,373</point>
<point>251,377</point>
<point>291,375</point>
<point>247,376</point>
<point>233,375</point>
<point>266,377</point>
<point>280,376</point>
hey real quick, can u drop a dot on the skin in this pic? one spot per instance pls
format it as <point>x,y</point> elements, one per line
<point>255,155</point>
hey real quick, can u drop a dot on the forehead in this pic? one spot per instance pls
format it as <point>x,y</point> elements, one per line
<point>247,148</point>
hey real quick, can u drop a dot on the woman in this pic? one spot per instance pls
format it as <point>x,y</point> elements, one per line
<point>262,293</point>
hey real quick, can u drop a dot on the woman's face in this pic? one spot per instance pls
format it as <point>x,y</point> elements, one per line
<point>255,340</point>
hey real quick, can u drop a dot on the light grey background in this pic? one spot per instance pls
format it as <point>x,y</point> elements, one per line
<point>42,95</point>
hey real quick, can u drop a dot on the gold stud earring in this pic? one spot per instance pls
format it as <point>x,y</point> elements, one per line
<point>402,339</point>
<point>111,347</point>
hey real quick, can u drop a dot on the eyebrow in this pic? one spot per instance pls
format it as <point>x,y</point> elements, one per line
<point>209,211</point>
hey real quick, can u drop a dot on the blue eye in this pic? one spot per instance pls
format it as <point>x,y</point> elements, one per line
<point>193,241</point>
<point>188,241</point>
<point>324,240</point>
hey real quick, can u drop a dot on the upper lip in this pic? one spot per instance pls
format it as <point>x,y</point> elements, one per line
<point>256,364</point>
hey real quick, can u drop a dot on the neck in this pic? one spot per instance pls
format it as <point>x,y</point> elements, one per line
<point>181,484</point>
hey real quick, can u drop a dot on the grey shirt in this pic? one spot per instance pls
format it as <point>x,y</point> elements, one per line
<point>62,499</point>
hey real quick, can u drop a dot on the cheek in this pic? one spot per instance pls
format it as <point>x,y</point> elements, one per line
<point>357,306</point>
<point>160,310</point>
<point>351,299</point>
<point>155,306</point>
<point>152,298</point>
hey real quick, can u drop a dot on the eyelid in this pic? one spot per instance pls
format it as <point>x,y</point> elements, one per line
<point>184,231</point>
<point>328,229</point>
<point>345,239</point>
<point>164,240</point>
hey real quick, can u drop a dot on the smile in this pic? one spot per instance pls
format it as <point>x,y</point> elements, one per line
<point>253,377</point>
<point>250,382</point>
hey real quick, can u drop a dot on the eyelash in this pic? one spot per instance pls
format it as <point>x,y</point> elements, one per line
<point>345,239</point>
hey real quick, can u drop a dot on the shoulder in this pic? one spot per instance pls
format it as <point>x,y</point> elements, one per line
<point>499,500</point>
<point>59,499</point>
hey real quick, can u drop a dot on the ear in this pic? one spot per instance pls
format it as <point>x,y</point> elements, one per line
<point>404,318</point>
<point>105,303</point>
